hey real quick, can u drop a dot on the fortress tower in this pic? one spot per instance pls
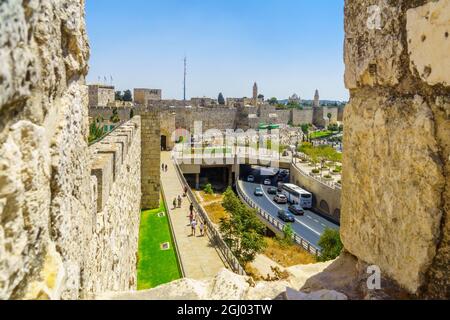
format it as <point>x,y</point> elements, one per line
<point>316,99</point>
<point>255,94</point>
<point>318,112</point>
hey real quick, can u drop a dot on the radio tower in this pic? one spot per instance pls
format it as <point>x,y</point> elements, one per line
<point>184,82</point>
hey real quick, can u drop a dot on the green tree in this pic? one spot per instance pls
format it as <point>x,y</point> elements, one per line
<point>288,235</point>
<point>341,128</point>
<point>221,99</point>
<point>127,96</point>
<point>119,96</point>
<point>305,128</point>
<point>115,116</point>
<point>243,231</point>
<point>273,101</point>
<point>261,97</point>
<point>329,116</point>
<point>208,189</point>
<point>331,245</point>
<point>96,130</point>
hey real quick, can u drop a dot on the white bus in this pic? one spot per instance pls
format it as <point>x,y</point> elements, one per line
<point>297,195</point>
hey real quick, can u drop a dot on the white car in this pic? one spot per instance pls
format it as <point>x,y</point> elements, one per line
<point>267,182</point>
<point>250,179</point>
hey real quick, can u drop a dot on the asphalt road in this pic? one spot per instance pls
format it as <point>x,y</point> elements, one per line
<point>310,226</point>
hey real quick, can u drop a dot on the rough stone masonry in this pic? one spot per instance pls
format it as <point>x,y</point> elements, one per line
<point>58,238</point>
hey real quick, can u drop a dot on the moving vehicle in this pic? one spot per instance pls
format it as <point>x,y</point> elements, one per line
<point>280,199</point>
<point>250,178</point>
<point>259,192</point>
<point>267,182</point>
<point>272,190</point>
<point>285,216</point>
<point>297,210</point>
<point>297,195</point>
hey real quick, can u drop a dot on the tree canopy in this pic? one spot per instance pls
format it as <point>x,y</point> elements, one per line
<point>243,231</point>
<point>221,99</point>
<point>331,245</point>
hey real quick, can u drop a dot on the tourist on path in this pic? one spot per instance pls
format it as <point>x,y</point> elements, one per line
<point>202,229</point>
<point>191,208</point>
<point>191,218</point>
<point>180,200</point>
<point>194,227</point>
<point>162,167</point>
<point>175,203</point>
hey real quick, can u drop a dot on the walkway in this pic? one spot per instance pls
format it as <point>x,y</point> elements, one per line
<point>199,259</point>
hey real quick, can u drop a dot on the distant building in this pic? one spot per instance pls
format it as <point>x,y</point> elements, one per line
<point>142,96</point>
<point>204,102</point>
<point>101,95</point>
<point>255,94</point>
<point>294,98</point>
<point>316,100</point>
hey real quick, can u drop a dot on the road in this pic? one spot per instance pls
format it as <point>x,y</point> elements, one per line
<point>310,226</point>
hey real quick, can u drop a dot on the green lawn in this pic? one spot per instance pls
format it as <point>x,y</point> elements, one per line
<point>155,266</point>
<point>322,134</point>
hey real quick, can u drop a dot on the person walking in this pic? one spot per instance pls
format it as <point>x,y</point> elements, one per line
<point>202,229</point>
<point>179,201</point>
<point>162,167</point>
<point>194,227</point>
<point>191,208</point>
<point>191,218</point>
<point>175,203</point>
<point>166,168</point>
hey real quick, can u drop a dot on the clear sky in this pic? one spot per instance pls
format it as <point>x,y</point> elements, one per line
<point>287,46</point>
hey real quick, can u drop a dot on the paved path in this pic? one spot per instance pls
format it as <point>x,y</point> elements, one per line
<point>200,260</point>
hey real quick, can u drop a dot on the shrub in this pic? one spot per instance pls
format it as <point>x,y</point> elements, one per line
<point>328,176</point>
<point>316,171</point>
<point>208,189</point>
<point>331,245</point>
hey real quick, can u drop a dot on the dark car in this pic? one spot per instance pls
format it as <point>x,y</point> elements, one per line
<point>297,210</point>
<point>272,190</point>
<point>280,199</point>
<point>286,216</point>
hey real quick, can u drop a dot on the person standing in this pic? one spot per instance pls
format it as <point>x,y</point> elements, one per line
<point>175,203</point>
<point>194,227</point>
<point>191,208</point>
<point>202,229</point>
<point>179,201</point>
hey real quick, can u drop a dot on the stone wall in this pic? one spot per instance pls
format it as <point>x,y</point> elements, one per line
<point>56,241</point>
<point>116,192</point>
<point>101,95</point>
<point>150,158</point>
<point>324,196</point>
<point>396,193</point>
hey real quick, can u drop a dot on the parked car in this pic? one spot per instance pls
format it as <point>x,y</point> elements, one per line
<point>250,178</point>
<point>272,190</point>
<point>267,182</point>
<point>280,199</point>
<point>284,173</point>
<point>259,192</point>
<point>286,216</point>
<point>297,210</point>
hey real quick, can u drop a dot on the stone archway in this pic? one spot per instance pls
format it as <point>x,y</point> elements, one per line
<point>324,207</point>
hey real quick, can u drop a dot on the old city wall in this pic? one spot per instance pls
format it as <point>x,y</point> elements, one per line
<point>116,196</point>
<point>56,241</point>
<point>396,192</point>
<point>327,200</point>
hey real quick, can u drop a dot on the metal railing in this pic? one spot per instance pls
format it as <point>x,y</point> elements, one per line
<point>211,230</point>
<point>276,223</point>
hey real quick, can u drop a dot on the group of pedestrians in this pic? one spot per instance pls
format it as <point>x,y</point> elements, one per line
<point>194,223</point>
<point>177,202</point>
<point>164,167</point>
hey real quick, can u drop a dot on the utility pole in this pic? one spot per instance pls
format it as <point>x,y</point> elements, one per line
<point>184,82</point>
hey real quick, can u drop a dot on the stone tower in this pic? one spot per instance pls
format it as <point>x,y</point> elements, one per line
<point>316,99</point>
<point>255,94</point>
<point>318,112</point>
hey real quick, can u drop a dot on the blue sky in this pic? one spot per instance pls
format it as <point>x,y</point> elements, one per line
<point>287,46</point>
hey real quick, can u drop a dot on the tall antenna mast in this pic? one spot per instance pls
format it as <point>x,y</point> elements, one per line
<point>184,82</point>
